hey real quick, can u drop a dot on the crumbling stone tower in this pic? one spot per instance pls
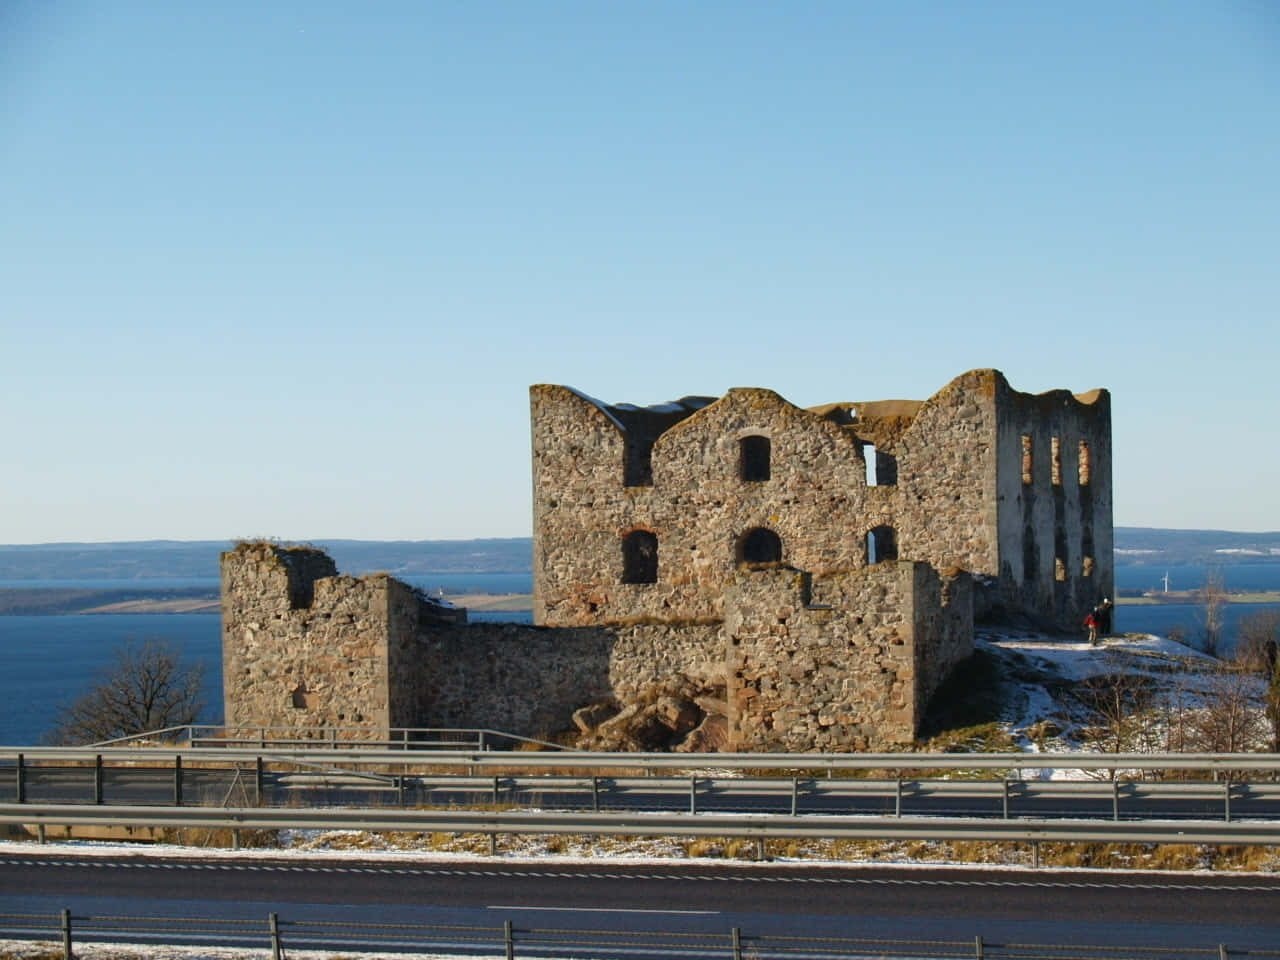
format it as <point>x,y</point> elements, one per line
<point>647,512</point>
<point>305,647</point>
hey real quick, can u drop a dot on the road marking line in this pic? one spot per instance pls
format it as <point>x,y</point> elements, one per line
<point>701,913</point>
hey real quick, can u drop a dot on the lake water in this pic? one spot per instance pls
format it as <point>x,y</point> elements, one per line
<point>1248,577</point>
<point>48,660</point>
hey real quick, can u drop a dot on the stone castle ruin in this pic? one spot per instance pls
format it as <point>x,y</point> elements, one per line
<point>713,574</point>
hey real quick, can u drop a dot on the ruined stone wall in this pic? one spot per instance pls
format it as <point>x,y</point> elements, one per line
<point>305,647</point>
<point>804,663</point>
<point>530,680</point>
<point>942,612</point>
<point>301,646</point>
<point>832,664</point>
<point>1054,499</point>
<point>699,506</point>
<point>944,502</point>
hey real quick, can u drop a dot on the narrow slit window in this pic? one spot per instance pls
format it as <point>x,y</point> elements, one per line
<point>1026,458</point>
<point>1055,460</point>
<point>882,544</point>
<point>753,458</point>
<point>640,557</point>
<point>1086,465</point>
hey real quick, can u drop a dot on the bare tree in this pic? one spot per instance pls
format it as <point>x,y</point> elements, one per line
<point>1122,709</point>
<point>148,686</point>
<point>1230,720</point>
<point>1214,596</point>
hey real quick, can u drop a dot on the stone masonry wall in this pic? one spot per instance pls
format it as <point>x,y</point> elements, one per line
<point>943,618</point>
<point>530,680</point>
<point>830,664</point>
<point>828,659</point>
<point>816,501</point>
<point>1054,500</point>
<point>302,647</point>
<point>951,496</point>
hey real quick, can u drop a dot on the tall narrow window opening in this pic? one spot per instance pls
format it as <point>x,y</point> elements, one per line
<point>1026,458</point>
<point>640,557</point>
<point>882,544</point>
<point>1055,460</point>
<point>882,468</point>
<point>760,546</point>
<point>753,458</point>
<point>1086,466</point>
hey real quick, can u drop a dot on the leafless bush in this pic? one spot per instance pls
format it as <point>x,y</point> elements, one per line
<point>148,686</point>
<point>1232,718</point>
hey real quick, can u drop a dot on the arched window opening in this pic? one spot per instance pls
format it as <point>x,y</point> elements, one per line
<point>882,544</point>
<point>640,557</point>
<point>753,458</point>
<point>761,546</point>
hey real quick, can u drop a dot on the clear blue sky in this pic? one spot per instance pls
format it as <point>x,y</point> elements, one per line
<point>287,269</point>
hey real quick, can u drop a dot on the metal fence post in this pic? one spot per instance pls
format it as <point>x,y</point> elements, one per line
<point>66,935</point>
<point>977,947</point>
<point>20,780</point>
<point>693,794</point>
<point>735,938</point>
<point>897,798</point>
<point>1004,800</point>
<point>1226,800</point>
<point>795,796</point>
<point>508,938</point>
<point>595,794</point>
<point>177,779</point>
<point>1115,799</point>
<point>258,777</point>
<point>97,779</point>
<point>273,924</point>
<point>1222,951</point>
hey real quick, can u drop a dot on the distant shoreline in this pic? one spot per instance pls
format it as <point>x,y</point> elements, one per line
<point>64,601</point>
<point>71,601</point>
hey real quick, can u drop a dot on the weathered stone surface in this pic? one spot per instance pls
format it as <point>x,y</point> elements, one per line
<point>949,485</point>
<point>704,576</point>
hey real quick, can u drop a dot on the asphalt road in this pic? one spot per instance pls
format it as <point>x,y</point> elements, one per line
<point>1185,911</point>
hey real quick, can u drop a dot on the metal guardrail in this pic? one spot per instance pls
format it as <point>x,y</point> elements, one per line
<point>763,826</point>
<point>411,738</point>
<point>508,940</point>
<point>826,763</point>
<point>319,784</point>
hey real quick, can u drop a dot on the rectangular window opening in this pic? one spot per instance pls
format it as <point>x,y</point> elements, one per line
<point>1055,460</point>
<point>1026,458</point>
<point>1086,466</point>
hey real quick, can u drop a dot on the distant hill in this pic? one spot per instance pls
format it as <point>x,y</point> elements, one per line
<point>1153,545</point>
<point>199,558</point>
